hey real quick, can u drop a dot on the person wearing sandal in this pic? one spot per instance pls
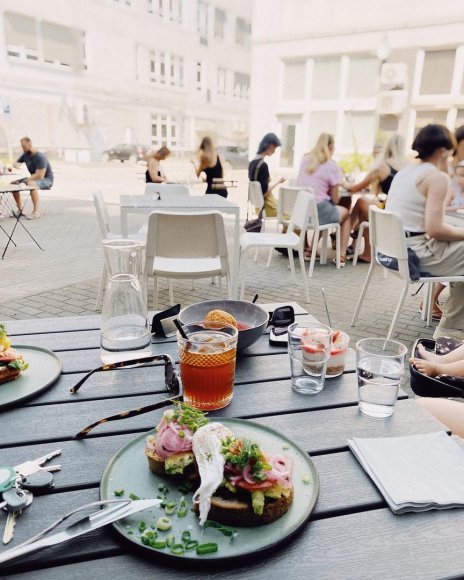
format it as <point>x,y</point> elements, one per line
<point>380,178</point>
<point>320,173</point>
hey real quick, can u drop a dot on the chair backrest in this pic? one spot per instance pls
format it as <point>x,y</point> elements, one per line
<point>103,217</point>
<point>286,201</point>
<point>166,188</point>
<point>386,233</point>
<point>300,213</point>
<point>187,236</point>
<point>255,194</point>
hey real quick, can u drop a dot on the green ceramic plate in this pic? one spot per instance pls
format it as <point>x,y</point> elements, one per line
<point>128,471</point>
<point>44,368</point>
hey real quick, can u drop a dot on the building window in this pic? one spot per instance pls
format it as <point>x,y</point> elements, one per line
<point>45,42</point>
<point>437,72</point>
<point>167,130</point>
<point>199,76</point>
<point>202,15</point>
<point>175,11</point>
<point>362,77</point>
<point>242,32</point>
<point>320,122</point>
<point>166,69</point>
<point>219,23</point>
<point>155,7</point>
<point>222,81</point>
<point>294,80</point>
<point>424,118</point>
<point>325,82</point>
<point>241,85</point>
<point>358,130</point>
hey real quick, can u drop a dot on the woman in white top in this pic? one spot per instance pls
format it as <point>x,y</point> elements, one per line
<point>419,194</point>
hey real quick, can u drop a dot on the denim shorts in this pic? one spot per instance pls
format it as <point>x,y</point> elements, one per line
<point>327,213</point>
<point>43,183</point>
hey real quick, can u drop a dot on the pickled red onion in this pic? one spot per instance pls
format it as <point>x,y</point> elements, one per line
<point>168,441</point>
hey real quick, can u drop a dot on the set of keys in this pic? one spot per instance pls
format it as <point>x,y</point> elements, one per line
<point>17,484</point>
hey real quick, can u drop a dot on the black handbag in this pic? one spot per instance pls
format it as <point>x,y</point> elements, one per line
<point>442,385</point>
<point>255,225</point>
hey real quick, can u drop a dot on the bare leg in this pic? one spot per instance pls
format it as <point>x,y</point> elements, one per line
<point>345,229</point>
<point>34,196</point>
<point>451,413</point>
<point>17,199</point>
<point>454,356</point>
<point>426,368</point>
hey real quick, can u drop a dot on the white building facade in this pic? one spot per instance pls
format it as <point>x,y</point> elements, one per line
<point>352,68</point>
<point>80,77</point>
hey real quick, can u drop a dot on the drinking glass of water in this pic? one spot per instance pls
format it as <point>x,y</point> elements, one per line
<point>379,367</point>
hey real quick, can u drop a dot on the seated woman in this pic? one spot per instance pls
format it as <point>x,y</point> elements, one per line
<point>320,173</point>
<point>431,364</point>
<point>380,178</point>
<point>258,170</point>
<point>456,199</point>
<point>209,164</point>
<point>419,195</point>
<point>154,174</point>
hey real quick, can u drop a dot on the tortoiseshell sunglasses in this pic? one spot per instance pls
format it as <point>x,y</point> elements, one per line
<point>171,382</point>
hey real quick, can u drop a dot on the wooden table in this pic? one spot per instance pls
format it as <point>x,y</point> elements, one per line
<point>145,204</point>
<point>351,534</point>
<point>5,190</point>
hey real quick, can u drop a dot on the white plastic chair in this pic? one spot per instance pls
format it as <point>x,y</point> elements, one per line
<point>103,220</point>
<point>185,246</point>
<point>290,240</point>
<point>386,235</point>
<point>319,229</point>
<point>285,203</point>
<point>166,188</point>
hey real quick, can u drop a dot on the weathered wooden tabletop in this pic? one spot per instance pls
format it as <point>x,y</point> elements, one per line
<point>351,534</point>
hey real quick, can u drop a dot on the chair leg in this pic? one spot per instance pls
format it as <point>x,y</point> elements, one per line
<point>398,308</point>
<point>155,293</point>
<point>325,237</point>
<point>363,294</point>
<point>101,287</point>
<point>269,259</point>
<point>313,261</point>
<point>171,291</point>
<point>221,289</point>
<point>303,273</point>
<point>243,260</point>
<point>427,308</point>
<point>292,263</point>
<point>338,246</point>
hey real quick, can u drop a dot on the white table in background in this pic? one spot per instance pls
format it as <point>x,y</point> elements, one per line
<point>145,204</point>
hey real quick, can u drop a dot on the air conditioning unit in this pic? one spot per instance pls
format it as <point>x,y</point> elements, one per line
<point>392,102</point>
<point>394,74</point>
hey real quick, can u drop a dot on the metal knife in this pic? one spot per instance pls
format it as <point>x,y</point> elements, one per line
<point>87,524</point>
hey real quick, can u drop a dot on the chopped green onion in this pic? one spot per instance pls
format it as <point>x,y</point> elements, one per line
<point>163,524</point>
<point>171,540</point>
<point>145,541</point>
<point>170,508</point>
<point>186,536</point>
<point>118,492</point>
<point>151,535</point>
<point>182,509</point>
<point>226,530</point>
<point>207,548</point>
<point>306,478</point>
<point>142,526</point>
<point>133,496</point>
<point>158,545</point>
<point>191,545</point>
<point>178,549</point>
<point>181,434</point>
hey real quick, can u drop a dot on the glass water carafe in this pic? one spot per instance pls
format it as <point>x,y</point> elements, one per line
<point>124,328</point>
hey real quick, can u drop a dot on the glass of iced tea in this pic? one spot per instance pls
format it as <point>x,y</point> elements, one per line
<point>207,364</point>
